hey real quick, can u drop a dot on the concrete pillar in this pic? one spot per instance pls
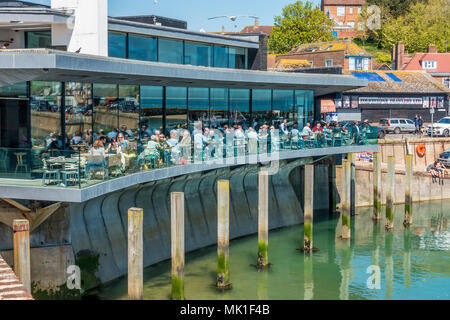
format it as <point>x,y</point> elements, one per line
<point>263,219</point>
<point>135,254</point>
<point>351,158</point>
<point>331,188</point>
<point>409,190</point>
<point>177,241</point>
<point>308,208</point>
<point>223,233</point>
<point>22,266</point>
<point>390,193</point>
<point>377,186</point>
<point>346,175</point>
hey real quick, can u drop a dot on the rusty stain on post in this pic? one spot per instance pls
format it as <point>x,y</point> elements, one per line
<point>377,186</point>
<point>390,193</point>
<point>22,267</point>
<point>409,191</point>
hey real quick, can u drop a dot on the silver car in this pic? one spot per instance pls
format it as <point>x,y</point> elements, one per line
<point>397,125</point>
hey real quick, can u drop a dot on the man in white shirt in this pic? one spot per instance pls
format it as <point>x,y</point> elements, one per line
<point>307,130</point>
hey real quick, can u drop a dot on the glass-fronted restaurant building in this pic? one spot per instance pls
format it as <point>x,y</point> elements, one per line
<point>146,78</point>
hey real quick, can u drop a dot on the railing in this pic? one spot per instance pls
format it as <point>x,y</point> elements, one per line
<point>78,169</point>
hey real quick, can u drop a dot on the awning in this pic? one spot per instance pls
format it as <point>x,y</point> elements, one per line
<point>327,106</point>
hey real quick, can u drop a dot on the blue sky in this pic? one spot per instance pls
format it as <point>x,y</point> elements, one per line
<point>197,12</point>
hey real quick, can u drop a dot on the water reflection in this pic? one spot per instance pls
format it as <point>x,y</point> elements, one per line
<point>414,263</point>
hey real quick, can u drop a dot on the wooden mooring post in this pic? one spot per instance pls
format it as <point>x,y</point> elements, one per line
<point>308,209</point>
<point>22,266</point>
<point>346,182</point>
<point>263,219</point>
<point>331,188</point>
<point>223,234</point>
<point>377,186</point>
<point>390,193</point>
<point>177,242</point>
<point>409,191</point>
<point>135,254</point>
<point>351,159</point>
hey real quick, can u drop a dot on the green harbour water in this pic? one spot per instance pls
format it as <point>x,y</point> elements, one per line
<point>414,263</point>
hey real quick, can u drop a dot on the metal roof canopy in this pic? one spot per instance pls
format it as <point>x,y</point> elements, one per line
<point>52,65</point>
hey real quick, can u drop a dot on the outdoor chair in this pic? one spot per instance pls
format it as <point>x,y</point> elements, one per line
<point>50,175</point>
<point>20,161</point>
<point>95,165</point>
<point>71,174</point>
<point>115,164</point>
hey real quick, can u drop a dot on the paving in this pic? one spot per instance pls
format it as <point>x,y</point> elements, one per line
<point>10,286</point>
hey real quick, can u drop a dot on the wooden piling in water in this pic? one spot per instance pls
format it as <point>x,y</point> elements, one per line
<point>308,208</point>
<point>177,242</point>
<point>390,193</point>
<point>351,159</point>
<point>346,182</point>
<point>135,254</point>
<point>331,188</point>
<point>263,219</point>
<point>409,190</point>
<point>377,186</point>
<point>223,234</point>
<point>22,266</point>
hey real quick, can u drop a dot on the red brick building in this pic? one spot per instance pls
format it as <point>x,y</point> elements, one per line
<point>344,14</point>
<point>435,64</point>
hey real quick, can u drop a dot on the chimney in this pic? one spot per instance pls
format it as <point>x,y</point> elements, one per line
<point>398,56</point>
<point>223,29</point>
<point>256,23</point>
<point>432,48</point>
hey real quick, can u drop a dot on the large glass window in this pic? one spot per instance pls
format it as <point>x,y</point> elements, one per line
<point>170,51</point>
<point>198,106</point>
<point>142,48</point>
<point>283,106</point>
<point>197,54</point>
<point>237,58</point>
<point>220,57</point>
<point>240,107</point>
<point>219,107</point>
<point>176,107</point>
<point>151,110</point>
<point>106,120</point>
<point>78,113</point>
<point>45,105</point>
<point>18,90</point>
<point>117,45</point>
<point>39,39</point>
<point>128,106</point>
<point>262,107</point>
<point>304,104</point>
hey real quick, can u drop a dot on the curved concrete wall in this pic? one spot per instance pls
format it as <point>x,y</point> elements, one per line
<point>100,225</point>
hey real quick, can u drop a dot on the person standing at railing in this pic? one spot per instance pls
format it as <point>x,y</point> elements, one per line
<point>307,130</point>
<point>252,141</point>
<point>240,141</point>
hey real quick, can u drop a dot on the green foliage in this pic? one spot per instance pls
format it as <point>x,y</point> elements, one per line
<point>416,23</point>
<point>299,23</point>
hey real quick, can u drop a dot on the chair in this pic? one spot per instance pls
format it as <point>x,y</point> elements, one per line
<point>115,163</point>
<point>20,161</point>
<point>96,164</point>
<point>49,174</point>
<point>151,161</point>
<point>71,174</point>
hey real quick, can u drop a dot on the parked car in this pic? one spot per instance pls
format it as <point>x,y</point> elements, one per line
<point>445,158</point>
<point>397,125</point>
<point>441,128</point>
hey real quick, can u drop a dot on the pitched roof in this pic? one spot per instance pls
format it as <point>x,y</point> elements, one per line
<point>20,4</point>
<point>344,2</point>
<point>350,48</point>
<point>257,30</point>
<point>442,62</point>
<point>398,82</point>
<point>283,64</point>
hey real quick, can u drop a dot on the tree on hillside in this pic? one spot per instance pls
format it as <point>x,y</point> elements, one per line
<point>425,23</point>
<point>299,23</point>
<point>395,8</point>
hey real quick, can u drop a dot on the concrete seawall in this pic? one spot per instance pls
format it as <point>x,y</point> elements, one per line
<point>98,227</point>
